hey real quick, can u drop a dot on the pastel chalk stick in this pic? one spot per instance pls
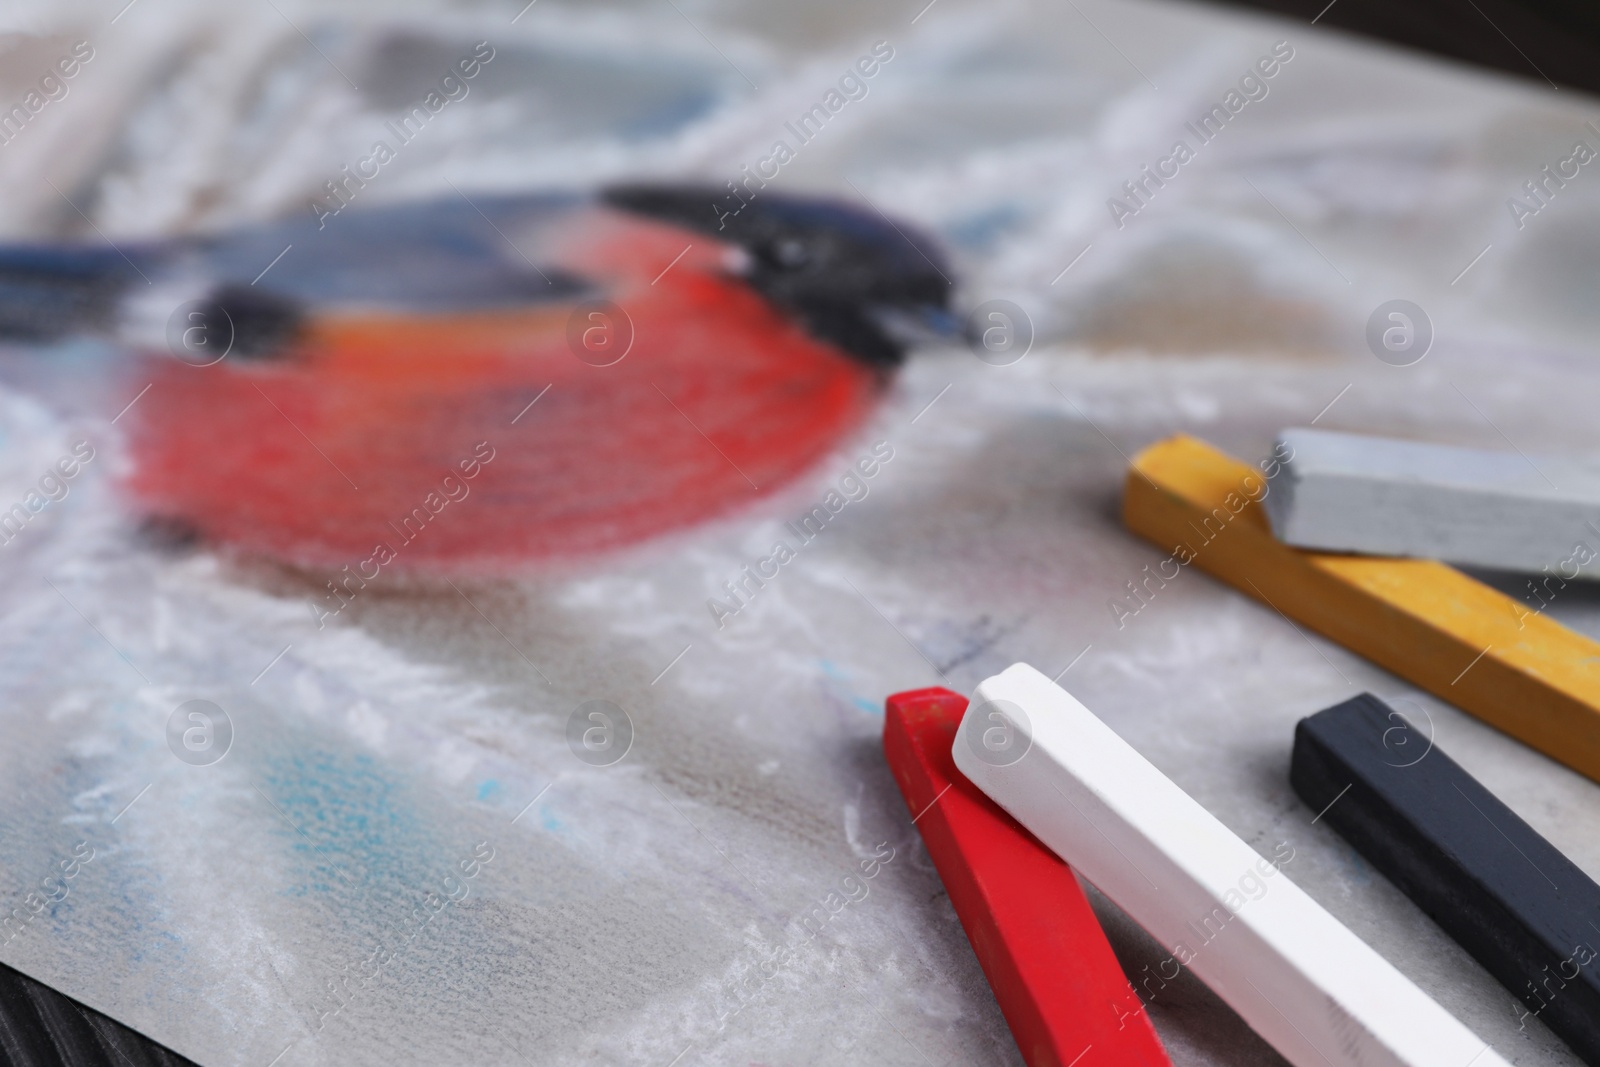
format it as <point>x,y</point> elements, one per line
<point>1446,633</point>
<point>1508,896</point>
<point>1053,973</point>
<point>1345,492</point>
<point>1311,988</point>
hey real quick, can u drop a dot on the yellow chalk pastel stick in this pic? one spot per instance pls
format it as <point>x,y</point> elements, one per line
<point>1428,623</point>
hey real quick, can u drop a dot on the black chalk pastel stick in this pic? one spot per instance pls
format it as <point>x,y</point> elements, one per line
<point>1517,905</point>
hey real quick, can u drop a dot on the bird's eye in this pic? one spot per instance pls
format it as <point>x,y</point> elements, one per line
<point>791,252</point>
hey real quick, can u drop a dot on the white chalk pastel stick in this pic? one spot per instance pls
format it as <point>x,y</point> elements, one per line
<point>1343,492</point>
<point>1316,992</point>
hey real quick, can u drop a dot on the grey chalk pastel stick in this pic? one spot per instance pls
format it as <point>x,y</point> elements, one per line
<point>1343,492</point>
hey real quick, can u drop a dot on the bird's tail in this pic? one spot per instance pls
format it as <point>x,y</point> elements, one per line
<point>51,291</point>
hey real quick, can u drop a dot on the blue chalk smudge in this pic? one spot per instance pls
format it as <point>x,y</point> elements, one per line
<point>351,822</point>
<point>860,703</point>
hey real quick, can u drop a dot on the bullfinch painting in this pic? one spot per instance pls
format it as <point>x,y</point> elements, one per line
<point>592,371</point>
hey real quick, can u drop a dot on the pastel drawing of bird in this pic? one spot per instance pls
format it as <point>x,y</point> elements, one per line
<point>474,384</point>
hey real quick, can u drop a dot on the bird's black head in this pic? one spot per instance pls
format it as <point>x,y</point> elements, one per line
<point>853,277</point>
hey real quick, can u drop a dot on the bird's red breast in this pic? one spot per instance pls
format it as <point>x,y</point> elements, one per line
<point>414,432</point>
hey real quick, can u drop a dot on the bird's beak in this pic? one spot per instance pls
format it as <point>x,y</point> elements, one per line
<point>921,324</point>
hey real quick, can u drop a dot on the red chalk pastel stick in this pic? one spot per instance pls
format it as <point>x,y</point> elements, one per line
<point>1046,958</point>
